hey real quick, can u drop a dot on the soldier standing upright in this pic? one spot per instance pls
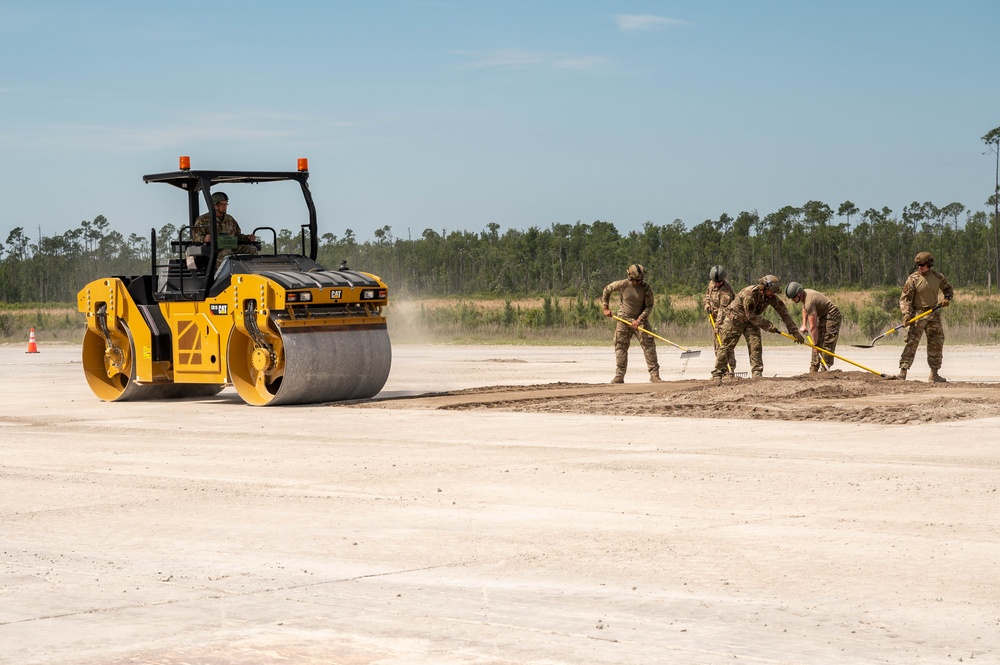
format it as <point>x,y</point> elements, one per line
<point>718,297</point>
<point>636,305</point>
<point>821,320</point>
<point>744,316</point>
<point>920,293</point>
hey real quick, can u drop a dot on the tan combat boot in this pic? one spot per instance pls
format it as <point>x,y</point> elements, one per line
<point>936,378</point>
<point>654,377</point>
<point>902,374</point>
<point>618,379</point>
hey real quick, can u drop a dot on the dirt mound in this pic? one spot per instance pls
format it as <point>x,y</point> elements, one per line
<point>837,396</point>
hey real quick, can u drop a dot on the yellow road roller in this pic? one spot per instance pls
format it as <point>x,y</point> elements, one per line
<point>280,328</point>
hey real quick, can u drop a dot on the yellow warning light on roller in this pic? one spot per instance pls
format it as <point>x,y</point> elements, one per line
<point>185,162</point>
<point>303,164</point>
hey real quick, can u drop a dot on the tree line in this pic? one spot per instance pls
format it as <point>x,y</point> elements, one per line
<point>814,243</point>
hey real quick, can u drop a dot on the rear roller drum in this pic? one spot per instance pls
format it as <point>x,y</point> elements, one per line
<point>110,366</point>
<point>110,371</point>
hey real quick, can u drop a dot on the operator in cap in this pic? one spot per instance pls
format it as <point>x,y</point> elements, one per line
<point>920,293</point>
<point>227,225</point>
<point>744,316</point>
<point>636,305</point>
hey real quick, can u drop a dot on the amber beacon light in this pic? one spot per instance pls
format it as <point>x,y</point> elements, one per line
<point>303,164</point>
<point>185,163</point>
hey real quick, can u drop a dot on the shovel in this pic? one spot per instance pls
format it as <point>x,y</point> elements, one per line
<point>831,353</point>
<point>687,353</point>
<point>899,327</point>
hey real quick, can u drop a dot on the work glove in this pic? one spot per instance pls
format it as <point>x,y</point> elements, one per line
<point>799,339</point>
<point>907,316</point>
<point>945,302</point>
<point>769,327</point>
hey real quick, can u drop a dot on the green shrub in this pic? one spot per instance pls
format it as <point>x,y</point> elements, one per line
<point>661,308</point>
<point>509,316</point>
<point>533,318</point>
<point>583,313</point>
<point>873,321</point>
<point>990,318</point>
<point>850,312</point>
<point>552,314</point>
<point>665,312</point>
<point>888,299</point>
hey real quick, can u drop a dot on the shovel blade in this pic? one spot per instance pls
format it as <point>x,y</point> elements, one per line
<point>690,354</point>
<point>863,346</point>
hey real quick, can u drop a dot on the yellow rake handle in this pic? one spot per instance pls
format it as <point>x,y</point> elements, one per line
<point>712,321</point>
<point>629,323</point>
<point>831,353</point>
<point>821,358</point>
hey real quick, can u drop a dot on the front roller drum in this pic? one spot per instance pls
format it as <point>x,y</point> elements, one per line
<point>110,371</point>
<point>311,366</point>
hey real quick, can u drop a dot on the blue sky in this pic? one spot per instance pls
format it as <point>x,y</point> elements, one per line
<point>450,115</point>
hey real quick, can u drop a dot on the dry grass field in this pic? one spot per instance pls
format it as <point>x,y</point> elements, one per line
<point>973,319</point>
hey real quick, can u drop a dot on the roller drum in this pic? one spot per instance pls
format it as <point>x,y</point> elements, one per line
<point>121,385</point>
<point>328,365</point>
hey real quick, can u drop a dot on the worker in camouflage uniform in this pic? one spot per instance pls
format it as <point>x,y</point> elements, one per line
<point>719,295</point>
<point>227,225</point>
<point>636,304</point>
<point>744,316</point>
<point>820,320</point>
<point>920,293</point>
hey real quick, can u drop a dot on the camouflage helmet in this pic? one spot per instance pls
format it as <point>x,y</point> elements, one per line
<point>793,289</point>
<point>219,197</point>
<point>717,274</point>
<point>924,257</point>
<point>770,283</point>
<point>636,272</point>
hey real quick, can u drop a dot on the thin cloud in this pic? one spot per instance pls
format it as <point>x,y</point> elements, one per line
<point>580,63</point>
<point>521,59</point>
<point>505,58</point>
<point>637,22</point>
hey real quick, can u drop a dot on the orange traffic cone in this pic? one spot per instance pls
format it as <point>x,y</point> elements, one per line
<point>32,345</point>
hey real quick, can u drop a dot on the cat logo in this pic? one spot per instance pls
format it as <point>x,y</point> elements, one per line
<point>335,294</point>
<point>219,308</point>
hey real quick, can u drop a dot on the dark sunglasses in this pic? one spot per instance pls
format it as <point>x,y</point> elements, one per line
<point>923,265</point>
